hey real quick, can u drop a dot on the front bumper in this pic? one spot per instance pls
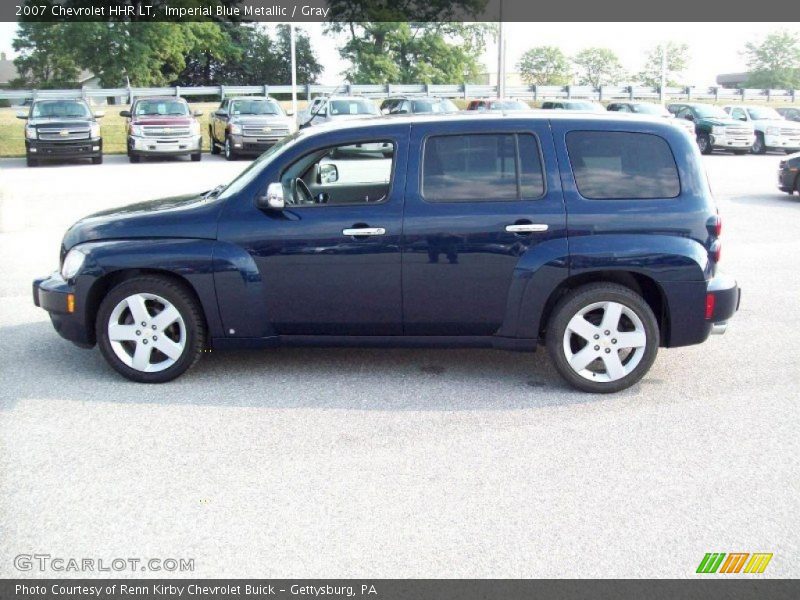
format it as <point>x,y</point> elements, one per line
<point>166,146</point>
<point>726,298</point>
<point>787,178</point>
<point>247,144</point>
<point>54,150</point>
<point>67,315</point>
<point>782,142</point>
<point>736,142</point>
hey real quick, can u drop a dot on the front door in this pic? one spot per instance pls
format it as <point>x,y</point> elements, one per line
<point>330,260</point>
<point>476,202</point>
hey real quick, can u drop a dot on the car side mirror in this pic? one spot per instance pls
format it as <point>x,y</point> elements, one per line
<point>273,199</point>
<point>125,113</point>
<point>221,113</point>
<point>21,114</point>
<point>99,114</point>
<point>289,113</point>
<point>689,117</point>
<point>198,113</point>
<point>328,173</point>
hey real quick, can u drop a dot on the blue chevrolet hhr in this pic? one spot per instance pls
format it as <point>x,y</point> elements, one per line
<point>595,235</point>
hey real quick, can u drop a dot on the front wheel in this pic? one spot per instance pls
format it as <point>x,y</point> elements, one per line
<point>150,329</point>
<point>31,162</point>
<point>197,156</point>
<point>704,143</point>
<point>759,146</point>
<point>230,153</point>
<point>602,337</point>
<point>97,160</point>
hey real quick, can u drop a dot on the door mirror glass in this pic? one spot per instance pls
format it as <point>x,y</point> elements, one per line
<point>198,113</point>
<point>221,113</point>
<point>273,199</point>
<point>689,117</point>
<point>328,173</point>
<point>99,114</point>
<point>125,113</point>
<point>21,114</point>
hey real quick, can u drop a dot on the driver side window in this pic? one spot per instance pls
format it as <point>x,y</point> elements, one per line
<point>341,175</point>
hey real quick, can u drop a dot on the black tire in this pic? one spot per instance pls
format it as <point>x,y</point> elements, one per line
<point>97,160</point>
<point>171,291</point>
<point>197,156</point>
<point>704,143</point>
<point>214,147</point>
<point>230,153</point>
<point>576,300</point>
<point>31,162</point>
<point>796,185</point>
<point>759,147</point>
<point>134,158</point>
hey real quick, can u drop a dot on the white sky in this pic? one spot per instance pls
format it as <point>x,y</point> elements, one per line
<point>711,51</point>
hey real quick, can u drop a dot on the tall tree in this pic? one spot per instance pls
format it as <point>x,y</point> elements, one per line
<point>598,66</point>
<point>775,61</point>
<point>412,52</point>
<point>44,59</point>
<point>677,61</point>
<point>545,65</point>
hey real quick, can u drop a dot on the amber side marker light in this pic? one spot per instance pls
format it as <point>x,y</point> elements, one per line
<point>70,303</point>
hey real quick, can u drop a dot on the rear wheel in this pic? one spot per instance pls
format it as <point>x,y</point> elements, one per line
<point>759,147</point>
<point>704,143</point>
<point>602,337</point>
<point>214,147</point>
<point>134,158</point>
<point>150,329</point>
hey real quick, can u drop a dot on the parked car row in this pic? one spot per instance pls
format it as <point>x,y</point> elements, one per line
<point>247,125</point>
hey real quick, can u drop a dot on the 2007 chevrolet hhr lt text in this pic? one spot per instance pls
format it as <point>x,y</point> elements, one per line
<point>595,235</point>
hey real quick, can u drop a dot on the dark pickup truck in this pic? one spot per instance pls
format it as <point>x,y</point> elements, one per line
<point>59,129</point>
<point>437,231</point>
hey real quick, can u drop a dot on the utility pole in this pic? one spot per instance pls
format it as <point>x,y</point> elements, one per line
<point>501,56</point>
<point>294,69</point>
<point>663,72</point>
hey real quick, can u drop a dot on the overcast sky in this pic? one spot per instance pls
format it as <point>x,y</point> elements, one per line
<point>715,47</point>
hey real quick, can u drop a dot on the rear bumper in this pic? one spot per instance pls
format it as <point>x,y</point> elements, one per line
<point>47,150</point>
<point>52,294</point>
<point>727,296</point>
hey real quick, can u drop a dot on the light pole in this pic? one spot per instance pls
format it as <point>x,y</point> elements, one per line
<point>501,56</point>
<point>294,69</point>
<point>663,72</point>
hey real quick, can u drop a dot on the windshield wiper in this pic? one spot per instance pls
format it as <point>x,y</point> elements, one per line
<point>215,192</point>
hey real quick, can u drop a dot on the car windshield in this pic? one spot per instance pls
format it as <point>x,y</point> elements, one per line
<point>763,112</point>
<point>64,109</point>
<point>258,165</point>
<point>708,111</point>
<point>255,107</point>
<point>590,106</point>
<point>433,106</point>
<point>356,106</point>
<point>161,107</point>
<point>651,109</point>
<point>508,105</point>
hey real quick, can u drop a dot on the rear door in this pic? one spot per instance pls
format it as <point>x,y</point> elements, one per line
<point>477,199</point>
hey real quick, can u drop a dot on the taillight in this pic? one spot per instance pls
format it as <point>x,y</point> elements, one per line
<point>716,251</point>
<point>710,302</point>
<point>714,225</point>
<point>718,226</point>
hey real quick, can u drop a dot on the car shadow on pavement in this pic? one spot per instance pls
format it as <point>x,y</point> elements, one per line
<point>37,364</point>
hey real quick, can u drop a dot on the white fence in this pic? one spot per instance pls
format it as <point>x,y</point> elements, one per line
<point>462,90</point>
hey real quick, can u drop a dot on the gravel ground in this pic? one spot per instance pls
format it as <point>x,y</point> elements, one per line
<point>398,463</point>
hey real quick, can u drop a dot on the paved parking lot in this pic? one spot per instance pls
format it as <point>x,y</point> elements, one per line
<point>399,463</point>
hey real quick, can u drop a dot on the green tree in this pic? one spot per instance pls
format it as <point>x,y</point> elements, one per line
<point>545,65</point>
<point>412,52</point>
<point>774,62</point>
<point>677,61</point>
<point>598,66</point>
<point>45,60</point>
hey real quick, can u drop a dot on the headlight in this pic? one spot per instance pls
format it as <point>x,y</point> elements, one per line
<point>718,130</point>
<point>235,128</point>
<point>94,130</point>
<point>773,130</point>
<point>136,130</point>
<point>72,263</point>
<point>30,132</point>
<point>194,128</point>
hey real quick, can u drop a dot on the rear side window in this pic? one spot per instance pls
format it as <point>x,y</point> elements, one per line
<point>613,164</point>
<point>482,168</point>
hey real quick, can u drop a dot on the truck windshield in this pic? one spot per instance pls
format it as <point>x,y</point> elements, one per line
<point>763,112</point>
<point>651,109</point>
<point>64,109</point>
<point>258,165</point>
<point>255,107</point>
<point>174,108</point>
<point>508,105</point>
<point>708,111</point>
<point>353,107</point>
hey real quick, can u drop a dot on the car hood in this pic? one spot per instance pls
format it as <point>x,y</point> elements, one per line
<point>717,121</point>
<point>162,120</point>
<point>780,123</point>
<point>60,122</point>
<point>190,216</point>
<point>258,120</point>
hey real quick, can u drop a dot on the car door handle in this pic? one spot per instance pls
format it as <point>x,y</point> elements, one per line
<point>526,227</point>
<point>358,231</point>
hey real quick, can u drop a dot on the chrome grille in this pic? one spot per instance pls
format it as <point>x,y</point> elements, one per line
<point>165,131</point>
<point>738,131</point>
<point>274,132</point>
<point>63,134</point>
<point>790,132</point>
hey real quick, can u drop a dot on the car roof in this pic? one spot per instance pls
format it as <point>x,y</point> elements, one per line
<point>412,97</point>
<point>262,98</point>
<point>178,98</point>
